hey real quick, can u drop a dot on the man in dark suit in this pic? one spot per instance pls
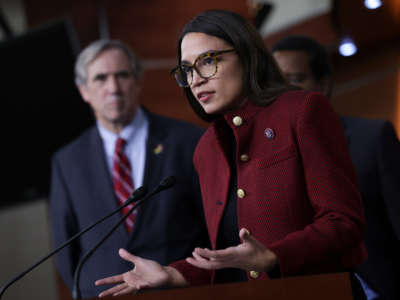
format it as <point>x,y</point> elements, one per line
<point>375,152</point>
<point>165,228</point>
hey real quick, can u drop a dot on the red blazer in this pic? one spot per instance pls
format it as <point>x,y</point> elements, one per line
<point>301,197</point>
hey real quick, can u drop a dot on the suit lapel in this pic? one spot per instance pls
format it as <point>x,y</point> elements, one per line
<point>102,186</point>
<point>155,153</point>
<point>346,129</point>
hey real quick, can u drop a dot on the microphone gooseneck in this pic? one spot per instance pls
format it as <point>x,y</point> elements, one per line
<point>135,196</point>
<point>166,183</point>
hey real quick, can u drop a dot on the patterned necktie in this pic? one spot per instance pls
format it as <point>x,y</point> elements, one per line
<point>122,179</point>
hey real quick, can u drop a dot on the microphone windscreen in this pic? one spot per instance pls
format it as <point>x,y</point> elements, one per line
<point>140,192</point>
<point>168,182</point>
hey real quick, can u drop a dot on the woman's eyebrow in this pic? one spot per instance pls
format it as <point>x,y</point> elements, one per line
<point>205,52</point>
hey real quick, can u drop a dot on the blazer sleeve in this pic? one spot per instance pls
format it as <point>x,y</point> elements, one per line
<point>331,185</point>
<point>193,275</point>
<point>389,169</point>
<point>63,225</point>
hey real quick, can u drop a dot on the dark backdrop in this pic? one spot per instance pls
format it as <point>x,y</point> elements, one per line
<point>41,107</point>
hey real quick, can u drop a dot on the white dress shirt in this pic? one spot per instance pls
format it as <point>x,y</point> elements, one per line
<point>135,134</point>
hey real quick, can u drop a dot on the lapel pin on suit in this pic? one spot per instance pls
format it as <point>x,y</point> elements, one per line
<point>158,149</point>
<point>269,133</point>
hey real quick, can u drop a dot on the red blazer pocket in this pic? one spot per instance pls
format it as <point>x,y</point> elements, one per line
<point>277,157</point>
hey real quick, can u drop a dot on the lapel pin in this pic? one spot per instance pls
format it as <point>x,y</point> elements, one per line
<point>269,133</point>
<point>157,150</point>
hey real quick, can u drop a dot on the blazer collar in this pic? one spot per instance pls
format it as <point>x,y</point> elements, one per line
<point>246,112</point>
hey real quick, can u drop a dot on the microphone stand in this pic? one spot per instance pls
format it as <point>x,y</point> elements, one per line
<point>136,195</point>
<point>164,184</point>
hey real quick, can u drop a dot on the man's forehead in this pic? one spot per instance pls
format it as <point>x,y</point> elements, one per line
<point>109,59</point>
<point>105,71</point>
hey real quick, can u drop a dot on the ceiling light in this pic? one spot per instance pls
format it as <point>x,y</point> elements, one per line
<point>347,47</point>
<point>372,4</point>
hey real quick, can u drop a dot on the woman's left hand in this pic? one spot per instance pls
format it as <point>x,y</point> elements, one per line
<point>249,255</point>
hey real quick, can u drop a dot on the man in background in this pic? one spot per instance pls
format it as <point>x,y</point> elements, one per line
<point>128,147</point>
<point>375,152</point>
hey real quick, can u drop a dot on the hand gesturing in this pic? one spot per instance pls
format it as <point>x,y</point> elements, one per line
<point>145,274</point>
<point>249,255</point>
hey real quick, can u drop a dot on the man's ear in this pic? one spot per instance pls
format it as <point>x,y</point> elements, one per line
<point>326,84</point>
<point>84,93</point>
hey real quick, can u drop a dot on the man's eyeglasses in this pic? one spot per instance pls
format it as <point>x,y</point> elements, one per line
<point>206,65</point>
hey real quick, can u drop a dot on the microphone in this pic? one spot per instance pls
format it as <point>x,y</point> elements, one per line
<point>166,183</point>
<point>135,196</point>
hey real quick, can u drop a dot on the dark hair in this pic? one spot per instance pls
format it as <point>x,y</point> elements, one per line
<point>318,56</point>
<point>262,80</point>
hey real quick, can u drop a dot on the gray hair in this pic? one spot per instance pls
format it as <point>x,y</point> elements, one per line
<point>89,54</point>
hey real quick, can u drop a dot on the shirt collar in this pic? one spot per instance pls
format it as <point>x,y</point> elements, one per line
<point>127,132</point>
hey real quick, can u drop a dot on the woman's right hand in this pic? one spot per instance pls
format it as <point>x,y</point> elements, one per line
<point>145,274</point>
